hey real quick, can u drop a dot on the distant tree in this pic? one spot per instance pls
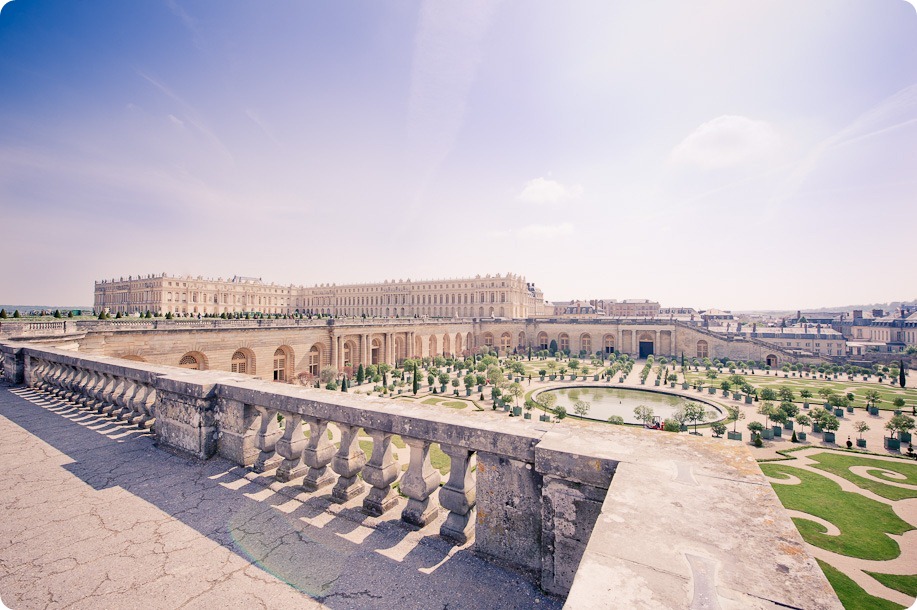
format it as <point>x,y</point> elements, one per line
<point>616,420</point>
<point>560,412</point>
<point>718,428</point>
<point>70,314</point>
<point>415,380</point>
<point>547,400</point>
<point>552,347</point>
<point>581,408</point>
<point>361,374</point>
<point>57,313</point>
<point>2,314</point>
<point>516,391</point>
<point>644,414</point>
<point>16,314</point>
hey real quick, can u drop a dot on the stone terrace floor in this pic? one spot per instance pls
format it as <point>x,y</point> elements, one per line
<point>92,515</point>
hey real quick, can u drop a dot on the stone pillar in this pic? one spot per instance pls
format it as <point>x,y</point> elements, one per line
<point>266,440</point>
<point>348,462</point>
<point>380,472</point>
<point>332,352</point>
<point>367,350</point>
<point>509,511</point>
<point>290,447</point>
<point>657,347</point>
<point>317,455</point>
<point>458,496</point>
<point>418,483</point>
<point>184,413</point>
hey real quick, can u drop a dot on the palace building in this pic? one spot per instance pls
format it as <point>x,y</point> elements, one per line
<point>488,296</point>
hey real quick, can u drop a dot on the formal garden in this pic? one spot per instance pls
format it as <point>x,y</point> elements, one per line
<point>858,514</point>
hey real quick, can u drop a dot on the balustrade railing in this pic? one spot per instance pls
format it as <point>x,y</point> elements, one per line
<point>493,465</point>
<point>109,390</point>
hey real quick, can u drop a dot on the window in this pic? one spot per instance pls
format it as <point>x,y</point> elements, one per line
<point>239,362</point>
<point>702,349</point>
<point>280,365</point>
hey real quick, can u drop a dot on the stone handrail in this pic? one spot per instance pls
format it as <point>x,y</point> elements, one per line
<point>509,488</point>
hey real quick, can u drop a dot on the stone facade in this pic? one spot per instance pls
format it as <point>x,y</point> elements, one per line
<point>499,295</point>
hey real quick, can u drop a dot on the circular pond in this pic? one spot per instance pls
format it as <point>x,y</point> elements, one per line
<point>605,402</point>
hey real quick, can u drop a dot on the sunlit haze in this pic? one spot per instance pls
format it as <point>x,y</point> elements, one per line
<point>740,155</point>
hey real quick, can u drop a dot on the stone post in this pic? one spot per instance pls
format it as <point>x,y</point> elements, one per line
<point>418,483</point>
<point>458,496</point>
<point>317,455</point>
<point>348,462</point>
<point>290,447</point>
<point>269,433</point>
<point>380,472</point>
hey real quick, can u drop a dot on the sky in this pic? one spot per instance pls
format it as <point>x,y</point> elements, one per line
<point>739,155</point>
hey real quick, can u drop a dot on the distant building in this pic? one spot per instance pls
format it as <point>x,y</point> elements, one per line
<point>628,308</point>
<point>485,296</point>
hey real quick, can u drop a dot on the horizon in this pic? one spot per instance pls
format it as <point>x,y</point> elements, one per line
<point>749,158</point>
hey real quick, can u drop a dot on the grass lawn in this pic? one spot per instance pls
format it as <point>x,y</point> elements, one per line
<point>864,538</point>
<point>851,594</point>
<point>840,465</point>
<point>906,584</point>
<point>439,402</point>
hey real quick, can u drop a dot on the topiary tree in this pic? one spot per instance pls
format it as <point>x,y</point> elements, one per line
<point>2,314</point>
<point>560,412</point>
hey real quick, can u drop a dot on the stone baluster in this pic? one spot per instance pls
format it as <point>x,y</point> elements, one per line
<point>57,382</point>
<point>126,400</point>
<point>147,408</point>
<point>92,381</point>
<point>136,402</point>
<point>63,385</point>
<point>98,393</point>
<point>268,433</point>
<point>458,496</point>
<point>317,455</point>
<point>348,462</point>
<point>290,448</point>
<point>380,472</point>
<point>75,385</point>
<point>418,483</point>
<point>113,389</point>
<point>40,372</point>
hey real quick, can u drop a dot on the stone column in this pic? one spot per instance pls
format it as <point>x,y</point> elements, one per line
<point>290,447</point>
<point>317,455</point>
<point>458,496</point>
<point>657,347</point>
<point>418,483</point>
<point>348,462</point>
<point>269,433</point>
<point>380,472</point>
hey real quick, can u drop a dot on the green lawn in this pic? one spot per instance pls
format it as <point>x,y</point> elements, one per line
<point>864,538</point>
<point>851,594</point>
<point>906,584</point>
<point>840,465</point>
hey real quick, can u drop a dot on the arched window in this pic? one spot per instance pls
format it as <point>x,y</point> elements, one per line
<point>190,361</point>
<point>585,342</point>
<point>505,342</point>
<point>315,360</point>
<point>543,340</point>
<point>280,365</point>
<point>609,344</point>
<point>563,342</point>
<point>488,340</point>
<point>240,362</point>
<point>702,349</point>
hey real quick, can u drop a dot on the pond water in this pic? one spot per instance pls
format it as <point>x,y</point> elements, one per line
<point>606,402</point>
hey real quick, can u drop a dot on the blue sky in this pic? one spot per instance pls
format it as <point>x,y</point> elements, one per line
<point>729,154</point>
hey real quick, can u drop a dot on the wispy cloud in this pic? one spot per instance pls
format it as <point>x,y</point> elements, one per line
<point>190,115</point>
<point>543,190</point>
<point>727,141</point>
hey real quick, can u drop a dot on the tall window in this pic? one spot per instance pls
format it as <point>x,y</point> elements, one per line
<point>239,362</point>
<point>280,365</point>
<point>563,342</point>
<point>701,349</point>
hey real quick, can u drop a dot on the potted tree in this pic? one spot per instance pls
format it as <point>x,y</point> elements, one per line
<point>695,412</point>
<point>899,405</point>
<point>829,423</point>
<point>904,430</point>
<point>767,410</point>
<point>805,395</point>
<point>895,425</point>
<point>755,427</point>
<point>718,428</point>
<point>790,410</point>
<point>803,420</point>
<point>861,427</point>
<point>735,414</point>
